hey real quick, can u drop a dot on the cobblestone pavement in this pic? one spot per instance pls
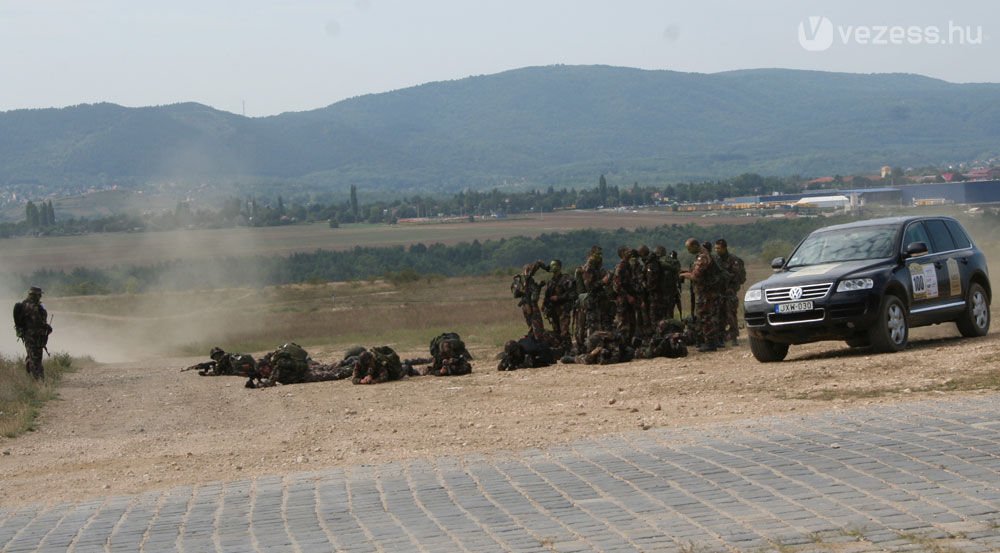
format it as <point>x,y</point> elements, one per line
<point>921,476</point>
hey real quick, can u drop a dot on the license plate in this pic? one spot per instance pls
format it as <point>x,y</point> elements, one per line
<point>793,307</point>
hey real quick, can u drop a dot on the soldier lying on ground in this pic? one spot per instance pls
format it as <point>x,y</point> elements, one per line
<point>449,357</point>
<point>380,364</point>
<point>290,364</point>
<point>225,364</point>
<point>526,353</point>
<point>667,341</point>
<point>603,348</point>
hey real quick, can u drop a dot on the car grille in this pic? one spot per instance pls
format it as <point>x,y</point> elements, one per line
<point>809,292</point>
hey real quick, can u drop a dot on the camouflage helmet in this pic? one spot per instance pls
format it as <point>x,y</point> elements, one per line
<point>660,251</point>
<point>555,265</point>
<point>34,291</point>
<point>643,251</point>
<point>216,353</point>
<point>623,251</point>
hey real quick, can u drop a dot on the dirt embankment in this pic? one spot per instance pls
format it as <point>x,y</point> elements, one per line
<point>121,429</point>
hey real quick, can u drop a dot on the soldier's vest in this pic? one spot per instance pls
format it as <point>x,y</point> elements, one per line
<point>289,364</point>
<point>388,358</point>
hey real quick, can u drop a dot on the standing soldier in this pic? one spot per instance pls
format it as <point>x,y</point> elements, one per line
<point>31,322</point>
<point>654,307</point>
<point>560,299</point>
<point>704,275</point>
<point>737,276</point>
<point>525,288</point>
<point>627,295</point>
<point>592,283</point>
<point>671,286</point>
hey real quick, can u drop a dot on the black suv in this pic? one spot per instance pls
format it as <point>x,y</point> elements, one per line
<point>867,283</point>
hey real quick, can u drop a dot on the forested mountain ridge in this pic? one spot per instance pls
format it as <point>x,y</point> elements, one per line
<point>559,125</point>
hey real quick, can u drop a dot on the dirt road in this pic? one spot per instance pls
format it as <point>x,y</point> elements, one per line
<point>122,429</point>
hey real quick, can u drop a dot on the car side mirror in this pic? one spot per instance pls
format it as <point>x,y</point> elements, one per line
<point>777,262</point>
<point>913,249</point>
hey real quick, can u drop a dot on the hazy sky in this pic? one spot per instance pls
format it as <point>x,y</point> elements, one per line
<point>297,55</point>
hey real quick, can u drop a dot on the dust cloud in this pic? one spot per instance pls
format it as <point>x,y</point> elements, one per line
<point>166,321</point>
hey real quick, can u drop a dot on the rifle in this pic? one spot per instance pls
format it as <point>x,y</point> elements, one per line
<point>202,368</point>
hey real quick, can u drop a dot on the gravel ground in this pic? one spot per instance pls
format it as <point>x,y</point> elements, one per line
<point>132,427</point>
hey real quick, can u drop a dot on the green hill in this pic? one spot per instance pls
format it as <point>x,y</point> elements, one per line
<point>540,125</point>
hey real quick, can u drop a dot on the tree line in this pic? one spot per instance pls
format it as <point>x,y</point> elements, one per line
<point>260,212</point>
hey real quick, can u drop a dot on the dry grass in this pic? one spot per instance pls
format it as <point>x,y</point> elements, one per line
<point>21,396</point>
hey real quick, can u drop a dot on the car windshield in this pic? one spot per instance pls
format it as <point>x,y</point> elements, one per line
<point>850,244</point>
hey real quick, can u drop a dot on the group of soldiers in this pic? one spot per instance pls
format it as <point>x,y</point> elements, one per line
<point>630,300</point>
<point>291,364</point>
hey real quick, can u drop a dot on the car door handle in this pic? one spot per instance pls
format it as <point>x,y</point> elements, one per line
<point>937,264</point>
<point>964,260</point>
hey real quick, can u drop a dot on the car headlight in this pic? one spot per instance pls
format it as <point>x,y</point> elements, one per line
<point>853,284</point>
<point>753,294</point>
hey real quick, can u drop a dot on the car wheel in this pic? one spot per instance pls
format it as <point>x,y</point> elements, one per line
<point>767,351</point>
<point>891,330</point>
<point>975,321</point>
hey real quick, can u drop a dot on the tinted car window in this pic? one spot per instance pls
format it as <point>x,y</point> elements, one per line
<point>958,235</point>
<point>917,233</point>
<point>849,244</point>
<point>940,235</point>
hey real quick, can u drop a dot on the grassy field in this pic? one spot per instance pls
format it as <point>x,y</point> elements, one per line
<point>24,255</point>
<point>21,397</point>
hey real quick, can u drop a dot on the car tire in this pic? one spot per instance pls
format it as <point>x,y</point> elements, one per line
<point>975,321</point>
<point>767,351</point>
<point>891,330</point>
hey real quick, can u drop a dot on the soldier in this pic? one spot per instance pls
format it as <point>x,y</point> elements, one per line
<point>226,364</point>
<point>667,341</point>
<point>592,283</point>
<point>526,353</point>
<point>730,300</point>
<point>528,291</point>
<point>378,365</point>
<point>704,275</point>
<point>654,305</point>
<point>31,323</point>
<point>450,357</point>
<point>559,302</point>
<point>604,348</point>
<point>627,294</point>
<point>671,285</point>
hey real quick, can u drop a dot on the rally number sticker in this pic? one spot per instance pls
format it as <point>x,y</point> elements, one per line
<point>924,278</point>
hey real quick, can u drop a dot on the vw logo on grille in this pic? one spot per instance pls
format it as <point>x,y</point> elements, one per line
<point>795,293</point>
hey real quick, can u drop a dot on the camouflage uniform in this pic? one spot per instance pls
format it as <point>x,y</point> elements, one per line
<point>731,295</point>
<point>228,364</point>
<point>628,295</point>
<point>379,365</point>
<point>671,283</point>
<point>450,356</point>
<point>706,274</point>
<point>526,353</point>
<point>529,301</point>
<point>667,341</point>
<point>654,297</point>
<point>31,323</point>
<point>605,348</point>
<point>560,300</point>
<point>593,312</point>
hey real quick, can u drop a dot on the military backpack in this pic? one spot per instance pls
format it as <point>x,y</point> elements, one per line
<point>289,364</point>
